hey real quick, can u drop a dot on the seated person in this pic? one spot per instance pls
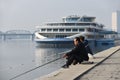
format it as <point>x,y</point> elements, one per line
<point>85,42</point>
<point>78,53</point>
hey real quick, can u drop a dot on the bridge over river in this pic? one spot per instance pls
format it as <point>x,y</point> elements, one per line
<point>16,34</point>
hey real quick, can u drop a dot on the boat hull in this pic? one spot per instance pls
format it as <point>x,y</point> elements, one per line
<point>54,40</point>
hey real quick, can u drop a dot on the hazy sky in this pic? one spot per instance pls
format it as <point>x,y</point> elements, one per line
<point>26,14</point>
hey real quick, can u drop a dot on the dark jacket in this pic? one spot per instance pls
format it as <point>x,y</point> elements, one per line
<point>79,51</point>
<point>87,47</point>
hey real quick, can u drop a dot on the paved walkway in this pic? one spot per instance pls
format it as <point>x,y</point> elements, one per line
<point>107,70</point>
<point>106,67</point>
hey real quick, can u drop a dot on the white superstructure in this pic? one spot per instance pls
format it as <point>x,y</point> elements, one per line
<point>72,26</point>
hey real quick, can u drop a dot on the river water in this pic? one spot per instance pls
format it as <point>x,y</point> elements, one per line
<point>26,60</point>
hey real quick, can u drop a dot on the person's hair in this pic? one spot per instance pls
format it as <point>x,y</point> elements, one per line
<point>77,39</point>
<point>82,38</point>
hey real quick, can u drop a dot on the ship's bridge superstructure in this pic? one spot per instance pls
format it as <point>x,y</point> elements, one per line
<point>75,18</point>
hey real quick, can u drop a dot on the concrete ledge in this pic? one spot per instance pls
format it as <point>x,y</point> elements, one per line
<point>78,70</point>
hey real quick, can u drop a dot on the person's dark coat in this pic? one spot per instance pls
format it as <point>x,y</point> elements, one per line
<point>85,42</point>
<point>79,52</point>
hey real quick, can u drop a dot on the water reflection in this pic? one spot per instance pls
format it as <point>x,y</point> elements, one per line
<point>44,55</point>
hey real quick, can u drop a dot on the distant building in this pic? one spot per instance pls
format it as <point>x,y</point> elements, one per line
<point>116,21</point>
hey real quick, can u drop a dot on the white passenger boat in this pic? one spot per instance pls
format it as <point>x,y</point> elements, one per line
<point>71,27</point>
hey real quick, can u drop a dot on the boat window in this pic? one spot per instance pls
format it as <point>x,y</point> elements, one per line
<point>74,29</point>
<point>96,30</point>
<point>71,19</point>
<point>49,29</point>
<point>90,29</point>
<point>71,24</point>
<point>55,29</point>
<point>87,19</point>
<point>60,36</point>
<point>81,29</point>
<point>68,30</point>
<point>61,30</point>
<point>43,29</point>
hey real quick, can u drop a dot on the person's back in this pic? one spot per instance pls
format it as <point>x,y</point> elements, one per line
<point>83,53</point>
<point>85,42</point>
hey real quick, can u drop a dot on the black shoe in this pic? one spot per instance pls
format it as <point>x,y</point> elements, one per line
<point>65,66</point>
<point>75,62</point>
<point>92,62</point>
